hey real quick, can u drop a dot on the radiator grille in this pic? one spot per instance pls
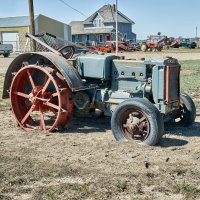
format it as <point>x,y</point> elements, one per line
<point>172,83</point>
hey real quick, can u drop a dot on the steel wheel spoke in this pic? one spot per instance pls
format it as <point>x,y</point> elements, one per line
<point>53,111</point>
<point>46,85</point>
<point>55,94</point>
<point>142,119</point>
<point>42,122</point>
<point>22,94</point>
<point>27,115</point>
<point>52,105</point>
<point>31,79</point>
<point>31,127</point>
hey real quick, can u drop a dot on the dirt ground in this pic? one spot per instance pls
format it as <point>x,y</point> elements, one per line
<point>180,54</point>
<point>85,161</point>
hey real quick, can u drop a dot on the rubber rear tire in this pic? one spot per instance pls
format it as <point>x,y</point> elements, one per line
<point>148,110</point>
<point>6,55</point>
<point>144,47</point>
<point>189,115</point>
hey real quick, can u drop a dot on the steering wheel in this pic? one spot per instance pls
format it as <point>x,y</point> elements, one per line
<point>67,51</point>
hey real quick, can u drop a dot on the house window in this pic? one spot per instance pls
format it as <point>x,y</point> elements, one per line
<point>100,23</point>
<point>101,38</point>
<point>88,37</point>
<point>95,23</point>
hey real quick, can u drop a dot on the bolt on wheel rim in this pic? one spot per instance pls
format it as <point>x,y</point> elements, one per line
<point>181,114</point>
<point>135,125</point>
<point>40,98</point>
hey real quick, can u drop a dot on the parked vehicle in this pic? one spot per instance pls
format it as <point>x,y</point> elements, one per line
<point>154,43</point>
<point>186,42</point>
<point>6,49</point>
<point>46,87</point>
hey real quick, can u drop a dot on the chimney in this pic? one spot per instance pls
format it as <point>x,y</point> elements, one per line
<point>114,8</point>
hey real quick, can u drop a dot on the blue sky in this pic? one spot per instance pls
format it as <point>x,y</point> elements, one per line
<point>170,17</point>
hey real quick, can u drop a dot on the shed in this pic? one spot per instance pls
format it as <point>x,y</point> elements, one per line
<point>13,29</point>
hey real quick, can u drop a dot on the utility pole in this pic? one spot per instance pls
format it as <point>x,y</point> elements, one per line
<point>196,31</point>
<point>32,23</point>
<point>116,16</point>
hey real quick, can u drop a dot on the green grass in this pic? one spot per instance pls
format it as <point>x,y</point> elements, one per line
<point>188,190</point>
<point>190,79</point>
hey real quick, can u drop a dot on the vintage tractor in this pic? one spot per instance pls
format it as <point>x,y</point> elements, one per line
<point>45,88</point>
<point>154,43</point>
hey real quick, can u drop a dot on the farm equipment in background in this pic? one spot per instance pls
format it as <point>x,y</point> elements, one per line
<point>154,43</point>
<point>111,47</point>
<point>183,42</point>
<point>128,46</point>
<point>6,49</point>
<point>174,43</point>
<point>103,48</point>
<point>189,43</point>
<point>45,88</point>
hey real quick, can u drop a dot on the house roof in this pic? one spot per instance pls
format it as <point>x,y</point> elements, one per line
<point>108,14</point>
<point>20,21</point>
<point>77,28</point>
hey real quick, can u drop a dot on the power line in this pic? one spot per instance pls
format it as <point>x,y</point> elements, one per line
<point>62,1</point>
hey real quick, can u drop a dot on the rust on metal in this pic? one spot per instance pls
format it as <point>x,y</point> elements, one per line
<point>36,101</point>
<point>135,125</point>
<point>167,76</point>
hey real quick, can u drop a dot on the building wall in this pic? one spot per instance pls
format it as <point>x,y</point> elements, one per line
<point>54,27</point>
<point>91,39</point>
<point>124,29</point>
<point>42,24</point>
<point>67,32</point>
<point>21,33</point>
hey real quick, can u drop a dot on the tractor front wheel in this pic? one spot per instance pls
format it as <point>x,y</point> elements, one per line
<point>187,111</point>
<point>137,119</point>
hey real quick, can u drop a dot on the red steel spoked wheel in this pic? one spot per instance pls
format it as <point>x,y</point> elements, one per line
<point>40,98</point>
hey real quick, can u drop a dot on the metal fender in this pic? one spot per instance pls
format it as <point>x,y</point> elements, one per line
<point>69,73</point>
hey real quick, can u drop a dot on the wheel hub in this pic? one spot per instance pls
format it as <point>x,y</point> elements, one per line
<point>135,125</point>
<point>37,97</point>
<point>132,124</point>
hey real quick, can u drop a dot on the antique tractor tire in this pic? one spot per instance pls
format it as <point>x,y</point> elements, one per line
<point>187,111</point>
<point>40,98</point>
<point>154,49</point>
<point>144,47</point>
<point>6,55</point>
<point>137,119</point>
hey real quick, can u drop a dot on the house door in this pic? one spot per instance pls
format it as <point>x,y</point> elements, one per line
<point>107,38</point>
